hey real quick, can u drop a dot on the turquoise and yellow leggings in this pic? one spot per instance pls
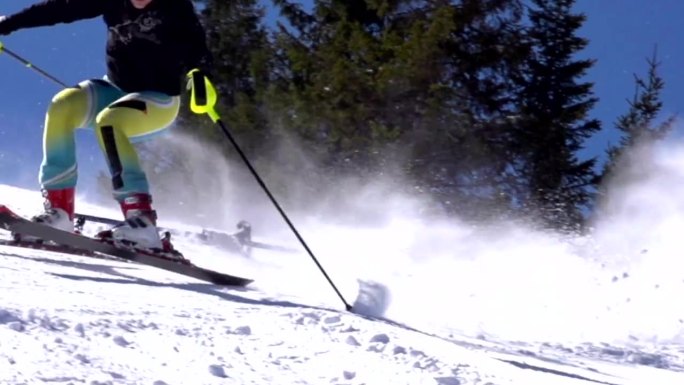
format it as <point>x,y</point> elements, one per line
<point>119,120</point>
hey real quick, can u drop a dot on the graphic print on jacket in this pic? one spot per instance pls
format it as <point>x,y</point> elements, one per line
<point>141,28</point>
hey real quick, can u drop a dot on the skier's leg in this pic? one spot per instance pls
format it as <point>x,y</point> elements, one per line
<point>131,118</point>
<point>71,108</point>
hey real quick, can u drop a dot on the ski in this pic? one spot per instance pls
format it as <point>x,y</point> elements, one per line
<point>52,247</point>
<point>20,225</point>
<point>60,249</point>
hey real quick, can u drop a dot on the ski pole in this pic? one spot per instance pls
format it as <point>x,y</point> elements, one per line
<point>30,65</point>
<point>202,101</point>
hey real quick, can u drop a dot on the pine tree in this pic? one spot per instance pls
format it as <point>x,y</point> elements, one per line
<point>554,121</point>
<point>463,153</point>
<point>639,128</point>
<point>427,79</point>
<point>638,124</point>
<point>327,81</point>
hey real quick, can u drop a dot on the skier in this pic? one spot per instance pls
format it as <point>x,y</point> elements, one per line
<point>151,45</point>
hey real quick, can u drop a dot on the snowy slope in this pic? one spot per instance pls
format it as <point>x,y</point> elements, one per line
<point>76,320</point>
<point>499,305</point>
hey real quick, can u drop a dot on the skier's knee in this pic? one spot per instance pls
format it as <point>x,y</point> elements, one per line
<point>67,95</point>
<point>106,117</point>
<point>123,112</point>
<point>69,105</point>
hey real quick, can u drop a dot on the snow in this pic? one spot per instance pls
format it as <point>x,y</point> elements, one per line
<point>435,302</point>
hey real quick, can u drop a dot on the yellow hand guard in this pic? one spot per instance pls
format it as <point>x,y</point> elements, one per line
<point>203,95</point>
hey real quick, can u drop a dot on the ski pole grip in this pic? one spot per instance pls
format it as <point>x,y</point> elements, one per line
<point>203,95</point>
<point>199,88</point>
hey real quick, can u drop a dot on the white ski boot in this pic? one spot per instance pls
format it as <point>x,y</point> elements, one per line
<point>59,213</point>
<point>139,231</point>
<point>56,218</point>
<point>139,228</point>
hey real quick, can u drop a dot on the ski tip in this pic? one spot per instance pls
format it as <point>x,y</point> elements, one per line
<point>6,210</point>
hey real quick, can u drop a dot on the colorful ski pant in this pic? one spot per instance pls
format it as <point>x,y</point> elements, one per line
<point>119,120</point>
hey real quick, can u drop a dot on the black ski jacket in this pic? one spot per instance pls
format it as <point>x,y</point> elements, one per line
<point>148,49</point>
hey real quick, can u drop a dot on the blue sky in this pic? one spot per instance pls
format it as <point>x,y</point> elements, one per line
<point>623,34</point>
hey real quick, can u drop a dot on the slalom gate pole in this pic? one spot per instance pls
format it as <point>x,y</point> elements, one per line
<point>202,101</point>
<point>30,65</point>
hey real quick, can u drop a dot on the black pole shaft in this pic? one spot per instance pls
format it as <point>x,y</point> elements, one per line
<point>280,210</point>
<point>30,65</point>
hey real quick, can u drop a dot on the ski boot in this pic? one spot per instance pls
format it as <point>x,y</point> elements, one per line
<point>59,213</point>
<point>139,230</point>
<point>139,226</point>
